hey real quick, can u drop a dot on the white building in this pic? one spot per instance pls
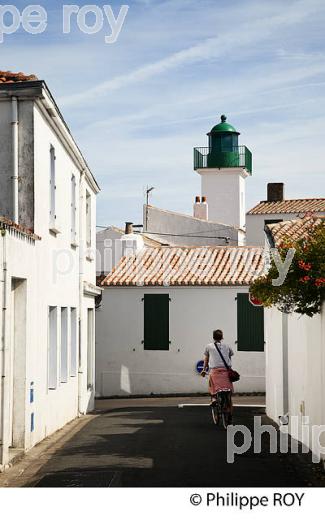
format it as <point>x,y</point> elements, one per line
<point>110,246</point>
<point>186,230</point>
<point>278,209</point>
<point>47,268</point>
<point>158,311</point>
<point>295,360</point>
<point>160,305</point>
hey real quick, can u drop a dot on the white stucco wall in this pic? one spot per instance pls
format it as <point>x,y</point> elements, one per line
<point>306,368</point>
<point>175,228</point>
<point>55,271</point>
<point>255,235</point>
<point>225,192</point>
<point>274,364</point>
<point>123,367</point>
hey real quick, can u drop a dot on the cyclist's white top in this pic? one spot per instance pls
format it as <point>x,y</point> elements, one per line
<point>215,360</point>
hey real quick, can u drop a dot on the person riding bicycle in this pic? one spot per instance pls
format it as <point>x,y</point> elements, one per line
<point>218,377</point>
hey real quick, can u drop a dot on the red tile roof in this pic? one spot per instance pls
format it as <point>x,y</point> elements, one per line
<point>293,229</point>
<point>15,77</point>
<point>289,206</point>
<point>188,266</point>
<point>6,223</point>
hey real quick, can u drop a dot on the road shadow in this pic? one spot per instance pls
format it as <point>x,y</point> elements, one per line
<point>167,446</point>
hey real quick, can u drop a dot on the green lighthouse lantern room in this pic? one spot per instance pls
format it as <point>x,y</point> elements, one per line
<point>223,150</point>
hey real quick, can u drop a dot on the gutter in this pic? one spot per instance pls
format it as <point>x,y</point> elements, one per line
<point>4,351</point>
<point>14,140</point>
<point>81,288</point>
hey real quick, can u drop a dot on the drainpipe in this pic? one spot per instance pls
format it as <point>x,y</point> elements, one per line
<point>81,288</point>
<point>4,360</point>
<point>14,139</point>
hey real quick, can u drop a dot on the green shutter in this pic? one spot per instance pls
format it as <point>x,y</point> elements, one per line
<point>250,325</point>
<point>156,321</point>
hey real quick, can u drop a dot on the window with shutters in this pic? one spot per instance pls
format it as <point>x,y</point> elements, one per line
<point>64,345</point>
<point>53,348</point>
<point>73,211</point>
<point>52,188</point>
<point>250,325</point>
<point>90,348</point>
<point>88,219</point>
<point>73,342</point>
<point>156,321</point>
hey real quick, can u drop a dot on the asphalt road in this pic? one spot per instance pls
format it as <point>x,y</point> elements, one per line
<point>153,443</point>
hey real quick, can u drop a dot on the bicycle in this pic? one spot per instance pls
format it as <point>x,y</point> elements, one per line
<point>221,408</point>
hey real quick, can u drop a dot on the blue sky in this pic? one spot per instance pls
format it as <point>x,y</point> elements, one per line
<point>138,107</point>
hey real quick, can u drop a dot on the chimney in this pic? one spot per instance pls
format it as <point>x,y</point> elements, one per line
<point>200,208</point>
<point>129,228</point>
<point>275,191</point>
<point>131,243</point>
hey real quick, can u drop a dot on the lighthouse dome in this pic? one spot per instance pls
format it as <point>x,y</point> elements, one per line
<point>224,127</point>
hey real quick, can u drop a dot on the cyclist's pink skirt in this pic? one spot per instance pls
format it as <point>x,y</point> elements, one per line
<point>219,380</point>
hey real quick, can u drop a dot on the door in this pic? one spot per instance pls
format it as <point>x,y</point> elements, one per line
<point>18,363</point>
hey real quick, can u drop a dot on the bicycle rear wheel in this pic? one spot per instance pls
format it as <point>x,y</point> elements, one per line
<point>225,419</point>
<point>215,414</point>
<point>225,413</point>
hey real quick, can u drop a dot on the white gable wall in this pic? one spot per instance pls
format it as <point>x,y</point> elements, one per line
<point>123,367</point>
<point>255,235</point>
<point>176,228</point>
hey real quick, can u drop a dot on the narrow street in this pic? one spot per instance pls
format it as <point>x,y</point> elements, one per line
<point>155,443</point>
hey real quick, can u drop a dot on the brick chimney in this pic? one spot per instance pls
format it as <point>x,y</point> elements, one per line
<point>200,208</point>
<point>131,243</point>
<point>275,191</point>
<point>128,228</point>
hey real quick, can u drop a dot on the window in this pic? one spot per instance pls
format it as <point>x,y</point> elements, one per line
<point>52,187</point>
<point>64,345</point>
<point>53,348</point>
<point>250,325</point>
<point>226,143</point>
<point>73,211</point>
<point>156,321</point>
<point>88,219</point>
<point>73,342</point>
<point>90,349</point>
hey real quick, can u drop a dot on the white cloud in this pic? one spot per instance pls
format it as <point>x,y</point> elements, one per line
<point>251,33</point>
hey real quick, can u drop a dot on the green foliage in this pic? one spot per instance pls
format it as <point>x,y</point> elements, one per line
<point>303,290</point>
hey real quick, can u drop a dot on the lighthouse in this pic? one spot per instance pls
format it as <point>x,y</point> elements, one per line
<point>224,166</point>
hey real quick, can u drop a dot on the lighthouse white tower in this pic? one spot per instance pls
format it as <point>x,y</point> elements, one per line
<point>224,166</point>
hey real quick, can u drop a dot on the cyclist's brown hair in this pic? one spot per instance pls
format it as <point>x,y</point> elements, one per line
<point>217,335</point>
